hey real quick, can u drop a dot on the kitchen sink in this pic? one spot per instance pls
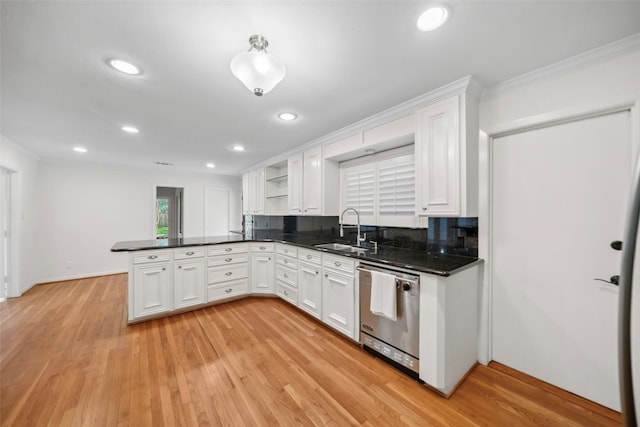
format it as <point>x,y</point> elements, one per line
<point>340,247</point>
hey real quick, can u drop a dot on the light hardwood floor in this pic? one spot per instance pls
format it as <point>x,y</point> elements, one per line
<point>68,358</point>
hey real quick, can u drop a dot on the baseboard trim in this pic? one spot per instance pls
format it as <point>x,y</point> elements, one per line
<point>80,276</point>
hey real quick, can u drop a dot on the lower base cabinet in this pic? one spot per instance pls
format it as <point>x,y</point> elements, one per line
<point>338,302</point>
<point>226,290</point>
<point>188,283</point>
<point>152,285</point>
<point>262,273</point>
<point>310,288</point>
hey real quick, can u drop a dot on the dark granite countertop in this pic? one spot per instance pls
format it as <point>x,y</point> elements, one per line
<point>433,263</point>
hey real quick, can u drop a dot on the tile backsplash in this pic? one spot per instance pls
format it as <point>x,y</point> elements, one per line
<point>458,236</point>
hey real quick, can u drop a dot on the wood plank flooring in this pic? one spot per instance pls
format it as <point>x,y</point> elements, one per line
<point>68,358</point>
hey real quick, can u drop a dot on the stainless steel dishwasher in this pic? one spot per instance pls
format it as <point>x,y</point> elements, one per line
<point>396,341</point>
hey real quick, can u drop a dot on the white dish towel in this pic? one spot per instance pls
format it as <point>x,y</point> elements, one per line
<point>383,295</point>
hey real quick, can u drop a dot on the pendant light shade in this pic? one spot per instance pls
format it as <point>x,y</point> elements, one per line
<point>258,70</point>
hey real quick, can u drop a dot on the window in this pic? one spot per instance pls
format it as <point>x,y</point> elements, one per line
<point>382,188</point>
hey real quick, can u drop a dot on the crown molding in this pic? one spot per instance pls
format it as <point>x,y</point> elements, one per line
<point>5,140</point>
<point>466,84</point>
<point>583,60</point>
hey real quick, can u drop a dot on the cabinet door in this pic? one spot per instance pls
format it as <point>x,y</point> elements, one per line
<point>259,192</point>
<point>246,194</point>
<point>312,181</point>
<point>189,283</point>
<point>262,274</point>
<point>151,289</point>
<point>295,184</point>
<point>310,289</point>
<point>438,159</point>
<point>338,296</point>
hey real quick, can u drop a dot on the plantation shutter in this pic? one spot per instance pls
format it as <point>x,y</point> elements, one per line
<point>396,189</point>
<point>360,190</point>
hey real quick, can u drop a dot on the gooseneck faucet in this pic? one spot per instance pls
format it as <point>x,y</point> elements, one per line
<point>359,239</point>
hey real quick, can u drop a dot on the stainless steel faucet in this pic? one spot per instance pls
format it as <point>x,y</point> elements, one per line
<point>359,239</point>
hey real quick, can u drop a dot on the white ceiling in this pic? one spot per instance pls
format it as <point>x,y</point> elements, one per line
<point>345,60</point>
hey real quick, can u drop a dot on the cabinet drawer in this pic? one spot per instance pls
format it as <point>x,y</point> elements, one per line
<point>261,247</point>
<point>286,261</point>
<point>188,253</point>
<point>223,274</point>
<point>339,263</point>
<point>287,250</point>
<point>151,256</point>
<point>312,256</point>
<point>228,290</point>
<point>226,260</point>
<point>287,275</point>
<point>228,249</point>
<point>287,293</point>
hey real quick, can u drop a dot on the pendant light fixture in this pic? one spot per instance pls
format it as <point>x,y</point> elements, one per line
<point>258,70</point>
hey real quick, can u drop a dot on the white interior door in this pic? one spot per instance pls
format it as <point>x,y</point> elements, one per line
<point>5,209</point>
<point>559,197</point>
<point>216,211</point>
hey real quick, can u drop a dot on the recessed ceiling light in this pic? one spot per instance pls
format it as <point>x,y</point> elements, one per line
<point>237,148</point>
<point>130,129</point>
<point>433,18</point>
<point>211,165</point>
<point>79,149</point>
<point>287,116</point>
<point>124,67</point>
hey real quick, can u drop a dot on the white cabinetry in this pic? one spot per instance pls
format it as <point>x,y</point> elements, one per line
<point>276,189</point>
<point>262,263</point>
<point>310,282</point>
<point>150,285</point>
<point>287,273</point>
<point>448,328</point>
<point>228,271</point>
<point>446,158</point>
<point>313,184</point>
<point>188,282</point>
<point>339,294</point>
<point>253,187</point>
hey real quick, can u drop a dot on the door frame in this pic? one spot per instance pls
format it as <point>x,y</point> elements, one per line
<point>154,199</point>
<point>485,183</point>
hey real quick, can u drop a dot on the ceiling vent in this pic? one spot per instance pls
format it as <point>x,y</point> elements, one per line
<point>163,163</point>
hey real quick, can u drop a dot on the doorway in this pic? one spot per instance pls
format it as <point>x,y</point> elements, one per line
<point>168,212</point>
<point>558,199</point>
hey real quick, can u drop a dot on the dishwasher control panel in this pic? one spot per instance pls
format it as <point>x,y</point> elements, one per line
<point>390,352</point>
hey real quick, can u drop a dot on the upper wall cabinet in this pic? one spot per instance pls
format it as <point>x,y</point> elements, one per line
<point>253,183</point>
<point>313,184</point>
<point>447,158</point>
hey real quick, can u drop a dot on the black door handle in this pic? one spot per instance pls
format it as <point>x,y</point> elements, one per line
<point>617,245</point>
<point>613,280</point>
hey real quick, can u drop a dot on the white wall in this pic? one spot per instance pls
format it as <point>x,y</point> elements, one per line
<point>24,213</point>
<point>86,208</point>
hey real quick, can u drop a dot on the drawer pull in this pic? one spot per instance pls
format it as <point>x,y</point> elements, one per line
<point>286,262</point>
<point>190,253</point>
<point>286,275</point>
<point>228,273</point>
<point>228,290</point>
<point>179,266</point>
<point>262,248</point>
<point>286,292</point>
<point>164,268</point>
<point>228,250</point>
<point>338,264</point>
<point>228,259</point>
<point>326,275</point>
<point>152,257</point>
<point>309,256</point>
<point>317,272</point>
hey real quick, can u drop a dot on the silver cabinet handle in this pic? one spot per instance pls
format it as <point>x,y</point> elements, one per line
<point>190,253</point>
<point>164,268</point>
<point>326,275</point>
<point>286,292</point>
<point>262,248</point>
<point>286,262</point>
<point>228,259</point>
<point>424,209</point>
<point>179,266</point>
<point>228,250</point>
<point>286,251</point>
<point>338,264</point>
<point>309,256</point>
<point>286,275</point>
<point>228,273</point>
<point>152,257</point>
<point>228,290</point>
<point>317,272</point>
<point>269,258</point>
